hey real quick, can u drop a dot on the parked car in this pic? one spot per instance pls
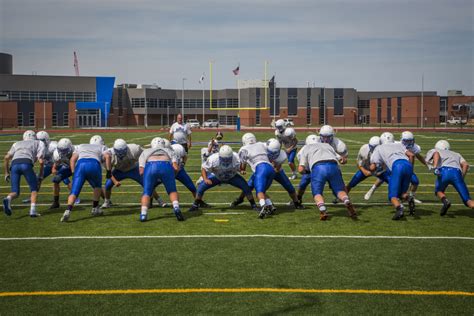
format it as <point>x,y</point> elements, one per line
<point>193,123</point>
<point>457,121</point>
<point>211,123</point>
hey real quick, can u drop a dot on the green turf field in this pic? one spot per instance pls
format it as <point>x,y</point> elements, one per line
<point>227,261</point>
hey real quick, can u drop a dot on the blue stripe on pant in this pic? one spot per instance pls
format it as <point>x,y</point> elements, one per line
<point>326,172</point>
<point>86,169</point>
<point>236,181</point>
<point>264,174</point>
<point>454,177</point>
<point>133,174</point>
<point>25,169</point>
<point>158,172</point>
<point>400,178</point>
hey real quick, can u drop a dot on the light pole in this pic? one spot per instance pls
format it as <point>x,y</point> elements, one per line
<point>44,114</point>
<point>146,112</point>
<point>182,99</point>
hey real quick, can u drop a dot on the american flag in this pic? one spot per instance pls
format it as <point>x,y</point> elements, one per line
<point>236,70</point>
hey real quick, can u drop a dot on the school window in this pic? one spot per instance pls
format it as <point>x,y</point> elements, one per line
<point>389,110</point>
<point>399,110</point>
<point>19,119</point>
<point>31,119</point>
<point>66,119</point>
<point>379,110</point>
<point>55,119</point>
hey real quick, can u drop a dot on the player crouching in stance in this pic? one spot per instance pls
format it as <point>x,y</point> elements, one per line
<point>61,169</point>
<point>451,168</point>
<point>23,154</point>
<point>89,158</point>
<point>322,160</point>
<point>306,176</point>
<point>255,154</point>
<point>399,162</point>
<point>363,163</point>
<point>287,137</point>
<point>221,168</point>
<point>158,164</point>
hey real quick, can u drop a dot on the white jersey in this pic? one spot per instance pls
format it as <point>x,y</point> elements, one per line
<point>27,149</point>
<point>48,155</point>
<point>280,160</point>
<point>59,159</point>
<point>415,149</point>
<point>388,154</point>
<point>448,158</point>
<point>286,141</point>
<point>314,153</point>
<point>180,132</point>
<point>223,173</point>
<point>254,154</point>
<point>130,160</point>
<point>166,153</point>
<point>363,157</point>
<point>91,151</point>
<point>338,145</point>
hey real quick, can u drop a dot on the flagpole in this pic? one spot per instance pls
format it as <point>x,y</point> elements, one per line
<point>274,96</point>
<point>203,98</point>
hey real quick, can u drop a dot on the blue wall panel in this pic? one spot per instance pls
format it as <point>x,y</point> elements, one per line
<point>104,90</point>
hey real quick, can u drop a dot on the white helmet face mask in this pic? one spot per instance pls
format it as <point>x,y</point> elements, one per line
<point>273,148</point>
<point>326,134</point>
<point>374,142</point>
<point>248,139</point>
<point>311,139</point>
<point>96,140</point>
<point>120,148</point>
<point>387,138</point>
<point>408,139</point>
<point>289,132</point>
<point>29,135</point>
<point>442,145</point>
<point>280,125</point>
<point>226,155</point>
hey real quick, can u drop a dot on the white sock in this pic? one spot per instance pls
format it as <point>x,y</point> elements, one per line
<point>373,188</point>
<point>322,207</point>
<point>9,198</point>
<point>144,210</point>
<point>33,208</point>
<point>346,200</point>
<point>262,202</point>
<point>175,204</point>
<point>268,202</point>
<point>106,200</point>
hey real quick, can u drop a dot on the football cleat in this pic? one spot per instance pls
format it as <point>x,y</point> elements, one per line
<point>161,203</point>
<point>7,207</point>
<point>201,203</point>
<point>26,201</point>
<point>34,214</point>
<point>351,210</point>
<point>178,214</point>
<point>143,217</point>
<point>65,216</point>
<point>323,216</point>
<point>263,212</point>
<point>255,208</point>
<point>193,208</point>
<point>54,205</point>
<point>272,209</point>
<point>411,205</point>
<point>398,215</point>
<point>96,211</point>
<point>445,207</point>
<point>107,204</point>
<point>298,205</point>
<point>237,202</point>
<point>293,176</point>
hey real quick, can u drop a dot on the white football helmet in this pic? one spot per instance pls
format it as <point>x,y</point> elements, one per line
<point>120,147</point>
<point>248,139</point>
<point>280,125</point>
<point>29,135</point>
<point>387,138</point>
<point>326,134</point>
<point>157,142</point>
<point>311,139</point>
<point>374,142</point>
<point>64,146</point>
<point>178,150</point>
<point>96,140</point>
<point>168,143</point>
<point>442,145</point>
<point>43,136</point>
<point>226,155</point>
<point>273,148</point>
<point>289,132</point>
<point>52,146</point>
<point>408,139</point>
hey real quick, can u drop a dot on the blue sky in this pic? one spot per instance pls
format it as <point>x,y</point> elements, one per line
<point>366,44</point>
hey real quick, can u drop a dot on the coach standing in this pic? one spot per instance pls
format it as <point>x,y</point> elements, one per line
<point>180,133</point>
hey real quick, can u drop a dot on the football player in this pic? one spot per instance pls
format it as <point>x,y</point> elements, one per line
<point>222,168</point>
<point>287,137</point>
<point>450,168</point>
<point>322,160</point>
<point>86,164</point>
<point>159,164</point>
<point>62,169</point>
<point>399,162</point>
<point>23,155</point>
